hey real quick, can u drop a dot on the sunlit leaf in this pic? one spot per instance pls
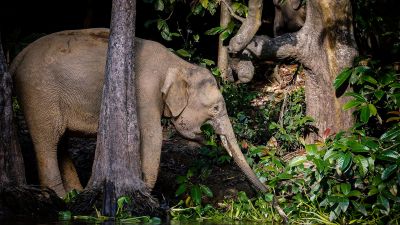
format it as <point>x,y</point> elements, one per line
<point>365,114</point>
<point>345,188</point>
<point>298,160</point>
<point>183,53</point>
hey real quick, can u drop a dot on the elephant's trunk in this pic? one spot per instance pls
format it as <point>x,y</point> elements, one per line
<point>224,128</point>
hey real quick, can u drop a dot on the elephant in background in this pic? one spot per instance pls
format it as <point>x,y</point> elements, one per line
<point>59,81</point>
<point>290,16</point>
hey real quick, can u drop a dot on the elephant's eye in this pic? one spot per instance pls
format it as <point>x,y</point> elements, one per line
<point>215,108</point>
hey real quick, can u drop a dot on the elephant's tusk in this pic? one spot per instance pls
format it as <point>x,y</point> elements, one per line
<point>225,144</point>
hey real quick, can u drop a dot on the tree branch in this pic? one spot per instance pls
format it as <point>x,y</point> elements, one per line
<point>233,14</point>
<point>264,47</point>
<point>249,27</point>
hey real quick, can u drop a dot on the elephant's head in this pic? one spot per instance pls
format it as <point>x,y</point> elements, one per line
<point>192,98</point>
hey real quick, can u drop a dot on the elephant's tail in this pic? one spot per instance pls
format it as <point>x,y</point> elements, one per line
<point>17,60</point>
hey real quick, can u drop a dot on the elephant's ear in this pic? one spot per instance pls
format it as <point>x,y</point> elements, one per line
<point>175,92</point>
<point>296,4</point>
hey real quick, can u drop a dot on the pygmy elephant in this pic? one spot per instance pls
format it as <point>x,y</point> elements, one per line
<point>59,81</point>
<point>290,16</point>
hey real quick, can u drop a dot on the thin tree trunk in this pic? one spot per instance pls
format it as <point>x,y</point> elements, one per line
<point>117,163</point>
<point>223,57</point>
<point>325,45</point>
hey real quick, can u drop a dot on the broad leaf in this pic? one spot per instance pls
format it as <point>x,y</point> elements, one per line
<point>359,207</point>
<point>183,53</point>
<point>357,96</point>
<point>344,161</point>
<point>365,114</point>
<point>206,190</point>
<point>298,160</point>
<point>391,134</point>
<point>345,188</point>
<point>181,189</point>
<point>195,193</point>
<point>350,104</point>
<point>388,171</point>
<point>342,78</point>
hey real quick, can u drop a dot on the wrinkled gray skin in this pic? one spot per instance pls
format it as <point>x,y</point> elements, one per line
<point>59,80</point>
<point>290,16</point>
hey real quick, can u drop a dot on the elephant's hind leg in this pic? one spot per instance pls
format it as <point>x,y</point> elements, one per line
<point>46,129</point>
<point>68,173</point>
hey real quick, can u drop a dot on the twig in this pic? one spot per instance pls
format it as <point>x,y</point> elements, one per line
<point>233,14</point>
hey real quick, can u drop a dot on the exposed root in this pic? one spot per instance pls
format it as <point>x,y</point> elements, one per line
<point>30,201</point>
<point>142,203</point>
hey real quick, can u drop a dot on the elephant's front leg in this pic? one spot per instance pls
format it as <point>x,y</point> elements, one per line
<point>151,141</point>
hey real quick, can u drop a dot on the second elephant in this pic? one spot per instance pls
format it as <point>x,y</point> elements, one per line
<point>59,80</point>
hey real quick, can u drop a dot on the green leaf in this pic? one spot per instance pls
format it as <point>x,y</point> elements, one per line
<point>181,189</point>
<point>344,161</point>
<point>345,188</point>
<point>359,207</point>
<point>183,53</point>
<point>224,35</point>
<point>362,164</point>
<point>354,193</point>
<point>350,104</point>
<point>357,96</point>
<point>196,37</point>
<point>369,79</point>
<point>214,31</point>
<point>379,94</point>
<point>207,62</point>
<point>389,155</point>
<point>206,190</point>
<point>311,149</point>
<point>388,171</point>
<point>195,193</point>
<point>357,147</point>
<point>342,78</point>
<point>298,160</point>
<point>64,215</point>
<point>365,114</point>
<point>204,3</point>
<point>384,202</point>
<point>372,109</point>
<point>159,5</point>
<point>392,134</point>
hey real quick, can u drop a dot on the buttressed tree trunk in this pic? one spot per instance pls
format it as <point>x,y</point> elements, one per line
<point>117,158</point>
<point>324,45</point>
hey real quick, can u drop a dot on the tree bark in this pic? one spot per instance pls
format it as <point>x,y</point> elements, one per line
<point>15,196</point>
<point>12,170</point>
<point>325,45</point>
<point>117,163</point>
<point>223,56</point>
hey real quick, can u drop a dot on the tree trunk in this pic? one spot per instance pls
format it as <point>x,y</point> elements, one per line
<point>117,163</point>
<point>223,56</point>
<point>12,170</point>
<point>325,46</point>
<point>15,196</point>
